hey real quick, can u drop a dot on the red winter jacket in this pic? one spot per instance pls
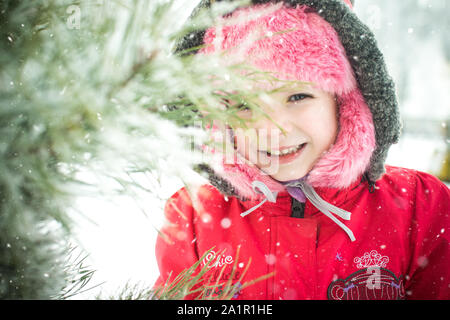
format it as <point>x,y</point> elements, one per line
<point>401,249</point>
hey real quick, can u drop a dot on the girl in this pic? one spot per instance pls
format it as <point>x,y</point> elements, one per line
<point>330,220</point>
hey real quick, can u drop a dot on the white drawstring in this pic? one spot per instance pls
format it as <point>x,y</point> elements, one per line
<point>271,196</point>
<point>325,207</point>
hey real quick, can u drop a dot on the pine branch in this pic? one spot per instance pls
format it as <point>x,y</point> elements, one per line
<point>83,88</point>
<point>193,283</point>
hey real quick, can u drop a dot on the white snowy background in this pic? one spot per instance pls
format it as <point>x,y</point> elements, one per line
<point>120,237</point>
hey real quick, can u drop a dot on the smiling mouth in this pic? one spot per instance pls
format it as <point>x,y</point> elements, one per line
<point>285,151</point>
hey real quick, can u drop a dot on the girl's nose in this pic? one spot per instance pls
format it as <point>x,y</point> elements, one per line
<point>280,123</point>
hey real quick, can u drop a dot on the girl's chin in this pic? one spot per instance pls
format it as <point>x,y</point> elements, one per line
<point>287,177</point>
<point>282,172</point>
<point>285,174</point>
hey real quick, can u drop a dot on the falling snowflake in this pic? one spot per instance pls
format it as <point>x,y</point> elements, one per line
<point>206,218</point>
<point>270,259</point>
<point>181,235</point>
<point>422,261</point>
<point>225,223</point>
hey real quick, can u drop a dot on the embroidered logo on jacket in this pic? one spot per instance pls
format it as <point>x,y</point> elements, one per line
<point>217,260</point>
<point>220,272</point>
<point>372,259</point>
<point>372,282</point>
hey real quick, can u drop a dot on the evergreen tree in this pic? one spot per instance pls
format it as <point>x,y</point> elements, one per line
<point>91,85</point>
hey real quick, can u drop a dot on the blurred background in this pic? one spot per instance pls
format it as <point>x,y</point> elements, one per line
<point>413,34</point>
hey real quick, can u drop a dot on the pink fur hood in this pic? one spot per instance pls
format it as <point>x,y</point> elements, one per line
<point>311,51</point>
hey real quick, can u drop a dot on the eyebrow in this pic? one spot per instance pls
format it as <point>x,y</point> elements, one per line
<point>288,89</point>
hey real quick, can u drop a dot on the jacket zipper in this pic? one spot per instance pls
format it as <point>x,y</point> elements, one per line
<point>298,211</point>
<point>297,208</point>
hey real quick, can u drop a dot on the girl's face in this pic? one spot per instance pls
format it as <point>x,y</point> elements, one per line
<point>308,117</point>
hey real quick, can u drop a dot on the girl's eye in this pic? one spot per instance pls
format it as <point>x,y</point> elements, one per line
<point>242,107</point>
<point>226,102</point>
<point>298,97</point>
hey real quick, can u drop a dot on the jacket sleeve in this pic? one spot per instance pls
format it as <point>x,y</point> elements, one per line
<point>175,245</point>
<point>429,272</point>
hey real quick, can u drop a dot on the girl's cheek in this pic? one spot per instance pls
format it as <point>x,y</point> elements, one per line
<point>246,142</point>
<point>241,143</point>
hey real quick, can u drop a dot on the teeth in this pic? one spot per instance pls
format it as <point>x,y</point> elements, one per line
<point>285,151</point>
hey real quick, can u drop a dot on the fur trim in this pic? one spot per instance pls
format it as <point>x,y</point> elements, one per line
<point>377,87</point>
<point>340,167</point>
<point>242,174</point>
<point>292,43</point>
<point>311,52</point>
<point>350,156</point>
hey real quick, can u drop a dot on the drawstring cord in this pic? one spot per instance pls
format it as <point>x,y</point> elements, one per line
<point>271,196</point>
<point>325,207</point>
